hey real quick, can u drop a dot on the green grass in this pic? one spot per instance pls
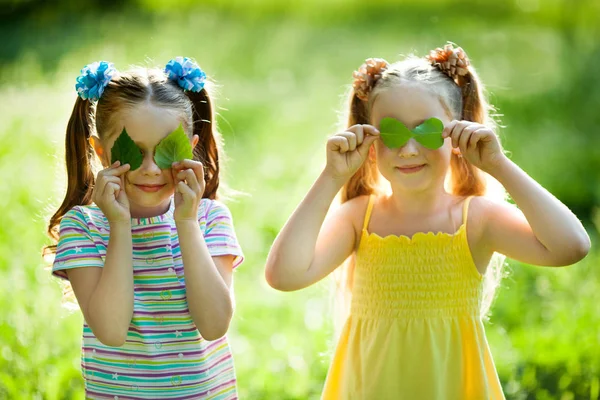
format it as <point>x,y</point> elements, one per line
<point>282,74</point>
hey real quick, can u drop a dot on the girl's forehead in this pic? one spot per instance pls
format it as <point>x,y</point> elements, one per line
<point>147,124</point>
<point>410,104</point>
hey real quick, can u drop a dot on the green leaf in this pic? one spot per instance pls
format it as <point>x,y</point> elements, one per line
<point>393,133</point>
<point>175,147</point>
<point>126,151</point>
<point>429,133</point>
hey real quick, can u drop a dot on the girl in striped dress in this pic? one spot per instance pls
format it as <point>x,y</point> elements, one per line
<point>148,250</point>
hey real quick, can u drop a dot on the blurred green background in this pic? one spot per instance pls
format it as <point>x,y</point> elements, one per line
<point>282,69</point>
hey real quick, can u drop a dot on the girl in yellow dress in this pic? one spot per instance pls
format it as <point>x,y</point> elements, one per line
<point>417,231</point>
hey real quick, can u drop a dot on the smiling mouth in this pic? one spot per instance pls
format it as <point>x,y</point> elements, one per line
<point>150,188</point>
<point>411,169</point>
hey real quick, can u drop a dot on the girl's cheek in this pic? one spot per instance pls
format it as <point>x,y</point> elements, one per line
<point>168,176</point>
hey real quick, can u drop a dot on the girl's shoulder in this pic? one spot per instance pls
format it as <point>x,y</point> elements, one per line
<point>355,210</point>
<point>355,205</point>
<point>210,209</point>
<point>486,207</point>
<point>485,214</point>
<point>87,214</point>
<point>85,220</point>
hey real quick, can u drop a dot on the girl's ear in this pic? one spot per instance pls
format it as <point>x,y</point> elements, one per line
<point>99,149</point>
<point>195,140</point>
<point>372,154</point>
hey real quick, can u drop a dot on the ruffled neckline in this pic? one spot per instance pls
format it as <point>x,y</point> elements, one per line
<point>416,237</point>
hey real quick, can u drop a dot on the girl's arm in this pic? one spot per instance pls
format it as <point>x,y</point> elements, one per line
<point>546,232</point>
<point>307,250</point>
<point>207,278</point>
<point>105,295</point>
<point>207,282</point>
<point>309,247</point>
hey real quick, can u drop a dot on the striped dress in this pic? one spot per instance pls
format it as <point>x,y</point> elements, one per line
<point>164,356</point>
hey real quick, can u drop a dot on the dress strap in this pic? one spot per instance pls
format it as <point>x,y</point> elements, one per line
<point>368,213</point>
<point>466,209</point>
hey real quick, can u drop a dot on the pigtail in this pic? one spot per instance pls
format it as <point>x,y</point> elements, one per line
<point>365,180</point>
<point>185,73</point>
<point>209,144</point>
<point>80,176</point>
<point>465,179</point>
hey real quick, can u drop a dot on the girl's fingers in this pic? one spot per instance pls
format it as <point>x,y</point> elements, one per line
<point>456,132</point>
<point>115,169</point>
<point>189,176</point>
<point>475,138</point>
<point>360,136</point>
<point>351,138</point>
<point>112,189</point>
<point>338,143</point>
<point>358,131</point>
<point>363,149</point>
<point>448,129</point>
<point>465,136</point>
<point>195,166</point>
<point>103,181</point>
<point>109,178</point>
<point>186,164</point>
<point>365,129</point>
<point>185,190</point>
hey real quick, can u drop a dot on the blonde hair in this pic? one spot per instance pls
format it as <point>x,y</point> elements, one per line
<point>463,99</point>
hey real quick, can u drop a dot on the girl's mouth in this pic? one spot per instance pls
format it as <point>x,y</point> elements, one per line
<point>150,188</point>
<point>411,169</point>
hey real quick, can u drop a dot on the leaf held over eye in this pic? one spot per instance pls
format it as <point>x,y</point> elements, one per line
<point>126,151</point>
<point>175,147</point>
<point>395,135</point>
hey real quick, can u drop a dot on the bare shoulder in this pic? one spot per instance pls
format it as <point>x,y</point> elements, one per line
<point>487,215</point>
<point>485,209</point>
<point>352,213</point>
<point>355,209</point>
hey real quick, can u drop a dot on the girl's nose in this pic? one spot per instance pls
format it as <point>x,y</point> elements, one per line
<point>149,166</point>
<point>410,149</point>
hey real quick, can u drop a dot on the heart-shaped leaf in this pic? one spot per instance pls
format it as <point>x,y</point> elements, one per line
<point>126,151</point>
<point>432,141</point>
<point>393,133</point>
<point>175,147</point>
<point>429,133</point>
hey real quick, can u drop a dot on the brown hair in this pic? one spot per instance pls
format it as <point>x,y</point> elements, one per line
<point>124,91</point>
<point>462,97</point>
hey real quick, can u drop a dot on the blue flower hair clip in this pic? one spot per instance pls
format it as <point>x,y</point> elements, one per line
<point>93,80</point>
<point>186,73</point>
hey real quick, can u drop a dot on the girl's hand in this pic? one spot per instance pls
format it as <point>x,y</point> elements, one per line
<point>477,143</point>
<point>347,151</point>
<point>109,193</point>
<point>188,176</point>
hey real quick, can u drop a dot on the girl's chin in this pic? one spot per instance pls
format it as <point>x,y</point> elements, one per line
<point>151,199</point>
<point>410,185</point>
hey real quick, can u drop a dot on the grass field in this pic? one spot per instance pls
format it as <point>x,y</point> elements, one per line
<point>282,72</point>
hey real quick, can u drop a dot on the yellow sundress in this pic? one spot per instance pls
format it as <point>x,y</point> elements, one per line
<point>415,329</point>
